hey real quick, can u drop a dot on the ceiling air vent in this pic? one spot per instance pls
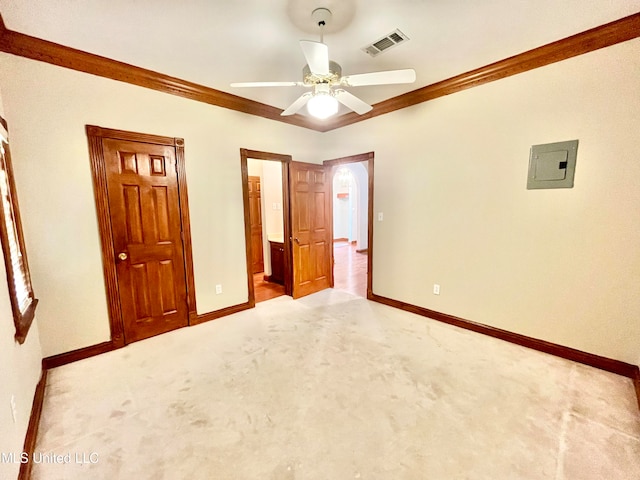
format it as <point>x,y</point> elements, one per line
<point>385,43</point>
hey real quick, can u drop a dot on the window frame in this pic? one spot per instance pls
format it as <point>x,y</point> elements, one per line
<point>21,319</point>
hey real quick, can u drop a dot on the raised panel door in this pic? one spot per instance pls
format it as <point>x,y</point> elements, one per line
<point>145,220</point>
<point>310,204</point>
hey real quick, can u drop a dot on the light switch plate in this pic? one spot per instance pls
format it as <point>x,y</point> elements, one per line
<point>552,165</point>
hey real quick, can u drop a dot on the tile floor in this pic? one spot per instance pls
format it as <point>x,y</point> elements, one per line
<point>333,386</point>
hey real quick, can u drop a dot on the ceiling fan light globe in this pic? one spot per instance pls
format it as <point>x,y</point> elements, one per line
<point>322,105</point>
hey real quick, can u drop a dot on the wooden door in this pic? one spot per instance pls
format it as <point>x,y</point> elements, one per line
<point>310,228</point>
<point>255,219</point>
<point>145,215</point>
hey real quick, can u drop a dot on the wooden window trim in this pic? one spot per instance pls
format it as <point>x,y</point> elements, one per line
<point>22,320</point>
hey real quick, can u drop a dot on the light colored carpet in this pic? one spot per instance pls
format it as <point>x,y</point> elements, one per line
<point>334,387</point>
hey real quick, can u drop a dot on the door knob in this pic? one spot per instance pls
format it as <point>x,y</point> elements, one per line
<point>122,256</point>
<point>297,241</point>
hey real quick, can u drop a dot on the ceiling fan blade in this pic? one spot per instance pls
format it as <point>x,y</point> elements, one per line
<point>317,56</point>
<point>266,84</point>
<point>407,75</point>
<point>353,102</point>
<point>298,104</point>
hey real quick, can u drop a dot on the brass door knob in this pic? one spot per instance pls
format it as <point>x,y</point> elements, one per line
<point>122,256</point>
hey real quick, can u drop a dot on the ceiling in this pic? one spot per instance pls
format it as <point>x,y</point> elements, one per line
<point>216,42</point>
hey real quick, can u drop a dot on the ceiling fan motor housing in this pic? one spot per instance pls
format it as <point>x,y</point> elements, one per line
<point>335,73</point>
<point>321,16</point>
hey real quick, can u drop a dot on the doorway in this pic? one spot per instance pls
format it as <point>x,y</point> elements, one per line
<point>266,216</point>
<point>144,228</point>
<point>350,228</point>
<point>265,183</point>
<point>305,250</point>
<point>352,225</point>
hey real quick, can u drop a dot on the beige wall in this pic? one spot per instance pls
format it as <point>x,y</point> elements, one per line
<point>272,197</point>
<point>20,367</point>
<point>48,108</point>
<point>560,265</point>
<point>19,374</point>
<point>450,177</point>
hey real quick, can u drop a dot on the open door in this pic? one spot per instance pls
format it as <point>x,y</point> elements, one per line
<point>310,228</point>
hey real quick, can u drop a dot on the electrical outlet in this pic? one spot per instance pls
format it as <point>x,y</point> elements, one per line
<point>436,289</point>
<point>218,289</point>
<point>14,410</point>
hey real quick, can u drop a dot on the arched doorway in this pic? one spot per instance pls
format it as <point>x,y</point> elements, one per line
<point>352,183</point>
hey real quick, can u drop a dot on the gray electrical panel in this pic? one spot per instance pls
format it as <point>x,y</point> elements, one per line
<point>552,165</point>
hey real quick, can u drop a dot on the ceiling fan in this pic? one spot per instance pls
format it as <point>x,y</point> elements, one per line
<point>325,79</point>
